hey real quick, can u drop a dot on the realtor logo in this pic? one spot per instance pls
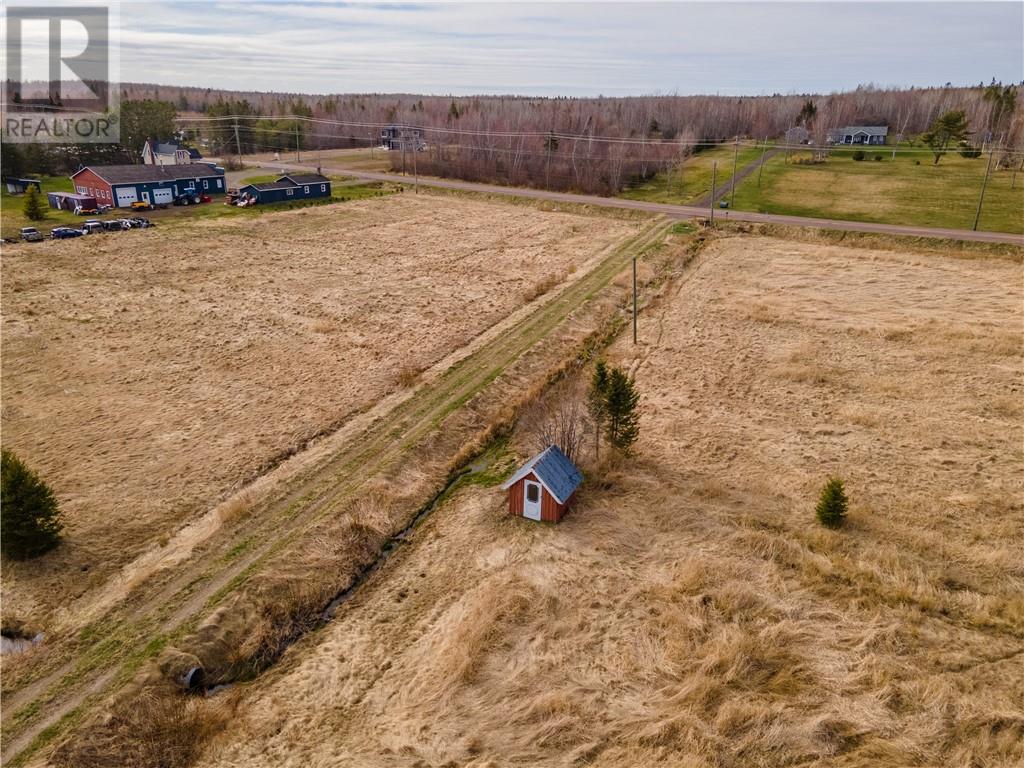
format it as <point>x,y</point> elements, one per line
<point>59,84</point>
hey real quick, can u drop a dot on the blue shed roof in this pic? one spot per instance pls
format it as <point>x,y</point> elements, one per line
<point>555,472</point>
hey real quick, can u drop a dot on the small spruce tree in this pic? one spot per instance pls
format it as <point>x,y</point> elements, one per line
<point>33,205</point>
<point>597,405</point>
<point>622,403</point>
<point>30,522</point>
<point>831,509</point>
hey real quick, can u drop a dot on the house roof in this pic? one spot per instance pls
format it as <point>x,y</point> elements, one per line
<point>554,470</point>
<point>170,147</point>
<point>305,178</point>
<point>138,174</point>
<point>262,186</point>
<point>870,130</point>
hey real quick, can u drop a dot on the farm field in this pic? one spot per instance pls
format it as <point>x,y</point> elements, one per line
<point>690,611</point>
<point>149,384</point>
<point>888,191</point>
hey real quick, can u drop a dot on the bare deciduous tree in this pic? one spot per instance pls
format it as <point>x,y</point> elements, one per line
<point>558,418</point>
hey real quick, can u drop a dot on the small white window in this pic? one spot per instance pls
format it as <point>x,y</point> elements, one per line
<point>290,192</point>
<point>305,189</point>
<point>206,184</point>
<point>218,183</point>
<point>323,187</point>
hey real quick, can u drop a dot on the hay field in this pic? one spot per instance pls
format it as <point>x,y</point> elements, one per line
<point>691,612</point>
<point>149,374</point>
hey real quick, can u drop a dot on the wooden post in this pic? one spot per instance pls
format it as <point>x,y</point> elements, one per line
<point>714,171</point>
<point>735,157</point>
<point>981,198</point>
<point>238,145</point>
<point>760,168</point>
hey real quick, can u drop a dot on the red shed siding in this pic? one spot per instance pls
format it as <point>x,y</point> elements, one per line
<point>550,510</point>
<point>88,183</point>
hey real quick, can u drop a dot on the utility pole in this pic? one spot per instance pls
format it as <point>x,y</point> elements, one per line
<point>1013,178</point>
<point>735,157</point>
<point>298,157</point>
<point>634,299</point>
<point>238,145</point>
<point>984,184</point>
<point>415,169</point>
<point>714,171</point>
<point>760,168</point>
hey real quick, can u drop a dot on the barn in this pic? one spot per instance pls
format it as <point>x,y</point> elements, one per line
<point>544,488</point>
<point>122,185</point>
<point>295,186</point>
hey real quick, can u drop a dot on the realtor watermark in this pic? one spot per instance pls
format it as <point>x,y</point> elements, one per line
<point>60,72</point>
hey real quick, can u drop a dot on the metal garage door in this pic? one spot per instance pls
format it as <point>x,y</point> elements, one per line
<point>162,196</point>
<point>126,197</point>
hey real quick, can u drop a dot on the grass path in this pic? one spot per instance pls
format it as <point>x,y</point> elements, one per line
<point>107,653</point>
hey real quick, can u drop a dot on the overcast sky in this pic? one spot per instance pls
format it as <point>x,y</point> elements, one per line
<point>575,49</point>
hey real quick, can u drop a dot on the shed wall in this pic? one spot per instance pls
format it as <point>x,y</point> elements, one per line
<point>550,510</point>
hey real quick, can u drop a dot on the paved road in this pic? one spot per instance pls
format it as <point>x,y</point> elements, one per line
<point>674,211</point>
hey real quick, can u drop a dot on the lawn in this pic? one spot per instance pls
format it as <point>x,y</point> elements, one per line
<point>909,189</point>
<point>691,180</point>
<point>12,219</point>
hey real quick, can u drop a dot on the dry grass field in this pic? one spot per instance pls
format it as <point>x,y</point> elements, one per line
<point>149,376</point>
<point>690,611</point>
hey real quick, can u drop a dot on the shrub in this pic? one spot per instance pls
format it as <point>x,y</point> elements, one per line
<point>831,509</point>
<point>858,155</point>
<point>33,205</point>
<point>29,516</point>
<point>970,152</point>
<point>877,157</point>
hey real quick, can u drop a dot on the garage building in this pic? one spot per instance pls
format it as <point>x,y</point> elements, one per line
<point>122,185</point>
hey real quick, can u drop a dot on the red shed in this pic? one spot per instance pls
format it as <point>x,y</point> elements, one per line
<point>544,487</point>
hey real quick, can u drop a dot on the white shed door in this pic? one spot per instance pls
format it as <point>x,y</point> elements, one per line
<point>163,196</point>
<point>126,197</point>
<point>531,500</point>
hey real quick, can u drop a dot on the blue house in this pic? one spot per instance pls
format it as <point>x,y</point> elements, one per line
<point>295,186</point>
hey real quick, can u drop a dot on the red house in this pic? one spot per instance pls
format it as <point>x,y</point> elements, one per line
<point>544,487</point>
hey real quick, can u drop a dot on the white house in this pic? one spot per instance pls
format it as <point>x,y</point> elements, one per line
<point>168,153</point>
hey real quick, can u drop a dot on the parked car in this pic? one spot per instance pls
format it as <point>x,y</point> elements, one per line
<point>141,222</point>
<point>31,234</point>
<point>113,225</point>
<point>142,205</point>
<point>92,226</point>
<point>62,233</point>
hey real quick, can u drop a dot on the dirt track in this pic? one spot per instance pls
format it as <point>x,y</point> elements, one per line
<point>690,611</point>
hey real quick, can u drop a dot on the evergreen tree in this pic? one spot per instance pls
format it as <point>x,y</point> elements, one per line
<point>622,407</point>
<point>29,516</point>
<point>949,130</point>
<point>597,401</point>
<point>831,509</point>
<point>33,206</point>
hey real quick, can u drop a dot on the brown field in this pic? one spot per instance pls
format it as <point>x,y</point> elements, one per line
<point>151,376</point>
<point>690,611</point>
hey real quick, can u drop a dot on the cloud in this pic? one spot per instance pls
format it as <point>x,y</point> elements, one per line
<point>569,48</point>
